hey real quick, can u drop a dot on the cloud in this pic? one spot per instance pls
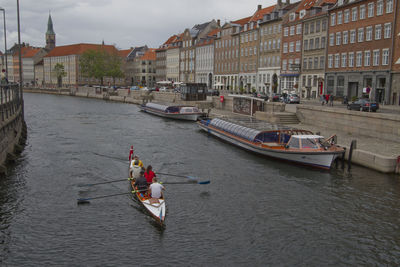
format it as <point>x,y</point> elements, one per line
<point>125,23</point>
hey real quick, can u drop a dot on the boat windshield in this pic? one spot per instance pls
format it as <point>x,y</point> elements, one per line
<point>189,110</point>
<point>304,141</point>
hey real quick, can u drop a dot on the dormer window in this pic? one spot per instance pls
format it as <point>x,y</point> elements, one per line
<point>302,13</point>
<point>292,16</point>
<point>340,2</point>
<point>245,27</point>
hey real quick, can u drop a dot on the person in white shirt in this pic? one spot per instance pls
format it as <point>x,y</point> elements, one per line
<point>156,189</point>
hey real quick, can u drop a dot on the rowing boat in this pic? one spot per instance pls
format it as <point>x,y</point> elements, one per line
<point>155,206</point>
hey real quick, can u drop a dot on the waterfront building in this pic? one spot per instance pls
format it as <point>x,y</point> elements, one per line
<point>359,49</point>
<point>395,60</point>
<point>292,37</point>
<point>227,56</point>
<point>315,32</point>
<point>190,38</point>
<point>29,60</point>
<point>269,59</point>
<point>68,55</point>
<point>145,69</point>
<point>125,66</point>
<point>205,59</point>
<point>173,59</point>
<point>161,64</point>
<point>130,67</point>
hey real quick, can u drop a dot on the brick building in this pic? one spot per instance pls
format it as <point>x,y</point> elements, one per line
<point>394,98</point>
<point>359,49</point>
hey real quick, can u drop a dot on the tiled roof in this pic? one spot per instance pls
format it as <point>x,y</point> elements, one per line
<point>30,52</point>
<point>241,21</point>
<point>149,55</point>
<point>260,13</point>
<point>124,53</point>
<point>213,32</point>
<point>78,49</point>
<point>170,40</point>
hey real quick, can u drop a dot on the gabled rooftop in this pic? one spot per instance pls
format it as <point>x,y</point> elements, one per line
<point>79,49</point>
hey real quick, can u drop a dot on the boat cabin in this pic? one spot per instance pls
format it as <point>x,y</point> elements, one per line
<point>305,141</point>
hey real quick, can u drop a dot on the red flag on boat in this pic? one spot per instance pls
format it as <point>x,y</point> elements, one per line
<point>130,153</point>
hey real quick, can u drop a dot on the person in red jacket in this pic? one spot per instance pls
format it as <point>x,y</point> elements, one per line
<point>149,174</point>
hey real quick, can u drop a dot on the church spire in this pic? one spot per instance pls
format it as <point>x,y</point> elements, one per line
<point>50,35</point>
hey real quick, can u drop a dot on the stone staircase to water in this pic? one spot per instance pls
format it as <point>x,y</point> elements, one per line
<point>286,118</point>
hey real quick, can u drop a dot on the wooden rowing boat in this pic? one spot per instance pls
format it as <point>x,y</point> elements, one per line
<point>155,206</point>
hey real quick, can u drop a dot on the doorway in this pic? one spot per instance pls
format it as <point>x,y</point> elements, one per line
<point>353,89</point>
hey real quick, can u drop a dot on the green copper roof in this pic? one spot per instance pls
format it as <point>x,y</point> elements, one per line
<point>50,26</point>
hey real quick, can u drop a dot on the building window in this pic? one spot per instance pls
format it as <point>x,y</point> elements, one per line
<point>311,27</point>
<point>351,60</point>
<point>318,26</point>
<point>304,80</point>
<point>376,54</point>
<point>298,29</point>
<point>389,6</point>
<point>367,58</point>
<point>354,14</point>
<point>323,42</point>
<point>305,63</point>
<point>315,62</point>
<point>322,62</point>
<point>284,64</point>
<point>360,35</point>
<point>339,17</point>
<point>331,39</point>
<point>370,10</point>
<point>388,30</point>
<point>311,44</point>
<point>305,45</point>
<point>362,12</point>
<point>298,46</point>
<point>306,28</point>
<point>337,60</point>
<point>291,30</point>
<point>352,36</point>
<point>359,59</point>
<point>345,37</point>
<point>368,33</point>
<point>286,31</point>
<point>333,19</point>
<point>324,25</point>
<point>338,38</point>
<point>310,60</point>
<point>379,7</point>
<point>346,16</point>
<point>291,47</point>
<point>330,61</point>
<point>378,32</point>
<point>385,56</point>
<point>317,43</point>
<point>285,48</point>
<point>344,60</point>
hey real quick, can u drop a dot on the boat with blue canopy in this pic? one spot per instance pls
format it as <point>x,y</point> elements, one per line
<point>294,145</point>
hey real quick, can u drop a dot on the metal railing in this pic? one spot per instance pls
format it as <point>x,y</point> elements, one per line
<point>10,100</point>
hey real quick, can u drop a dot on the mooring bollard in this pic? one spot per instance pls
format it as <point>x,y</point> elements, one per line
<point>353,145</point>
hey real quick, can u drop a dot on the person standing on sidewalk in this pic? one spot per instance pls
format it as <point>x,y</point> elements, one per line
<point>331,100</point>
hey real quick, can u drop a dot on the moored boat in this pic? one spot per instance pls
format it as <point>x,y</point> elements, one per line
<point>180,112</point>
<point>294,145</point>
<point>155,206</point>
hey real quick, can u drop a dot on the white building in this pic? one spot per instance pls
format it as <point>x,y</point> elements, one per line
<point>205,63</point>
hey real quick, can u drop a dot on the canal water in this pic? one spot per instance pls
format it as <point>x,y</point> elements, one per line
<point>255,211</point>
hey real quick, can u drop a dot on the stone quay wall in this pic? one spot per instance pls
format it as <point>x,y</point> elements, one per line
<point>12,125</point>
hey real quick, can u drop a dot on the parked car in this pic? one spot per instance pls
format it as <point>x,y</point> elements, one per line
<point>144,89</point>
<point>262,96</point>
<point>275,97</point>
<point>363,104</point>
<point>163,89</point>
<point>292,98</point>
<point>135,88</point>
<point>212,92</point>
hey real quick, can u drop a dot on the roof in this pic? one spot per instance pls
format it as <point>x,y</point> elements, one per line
<point>78,49</point>
<point>30,52</point>
<point>124,53</point>
<point>171,39</point>
<point>260,13</point>
<point>214,32</point>
<point>241,21</point>
<point>149,55</point>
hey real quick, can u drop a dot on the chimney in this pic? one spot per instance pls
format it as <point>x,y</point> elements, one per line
<point>219,22</point>
<point>259,7</point>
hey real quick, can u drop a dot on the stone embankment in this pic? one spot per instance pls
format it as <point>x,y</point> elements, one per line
<point>377,134</point>
<point>13,131</point>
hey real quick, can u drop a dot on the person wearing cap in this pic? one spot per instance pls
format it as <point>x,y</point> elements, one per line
<point>141,182</point>
<point>140,162</point>
<point>156,189</point>
<point>134,170</point>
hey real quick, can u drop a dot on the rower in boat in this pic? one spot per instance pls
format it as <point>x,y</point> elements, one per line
<point>156,189</point>
<point>135,169</point>
<point>141,183</point>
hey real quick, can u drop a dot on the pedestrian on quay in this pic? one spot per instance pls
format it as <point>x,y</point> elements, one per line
<point>3,77</point>
<point>331,100</point>
<point>322,98</point>
<point>327,99</point>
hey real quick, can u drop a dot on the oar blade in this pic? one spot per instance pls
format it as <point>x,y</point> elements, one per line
<point>204,182</point>
<point>83,201</point>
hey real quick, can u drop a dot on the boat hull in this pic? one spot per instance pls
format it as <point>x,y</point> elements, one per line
<point>177,116</point>
<point>321,159</point>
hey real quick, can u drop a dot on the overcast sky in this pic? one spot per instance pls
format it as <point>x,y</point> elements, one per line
<point>125,23</point>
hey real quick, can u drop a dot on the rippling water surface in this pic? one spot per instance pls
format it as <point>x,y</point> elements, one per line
<point>255,212</point>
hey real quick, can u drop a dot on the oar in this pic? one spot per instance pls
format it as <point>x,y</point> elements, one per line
<point>87,200</point>
<point>193,182</point>
<point>177,175</point>
<point>109,182</point>
<point>106,156</point>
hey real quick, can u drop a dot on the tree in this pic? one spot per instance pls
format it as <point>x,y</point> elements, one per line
<point>114,63</point>
<point>59,73</point>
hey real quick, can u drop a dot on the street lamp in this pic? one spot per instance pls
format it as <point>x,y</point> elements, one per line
<point>5,40</point>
